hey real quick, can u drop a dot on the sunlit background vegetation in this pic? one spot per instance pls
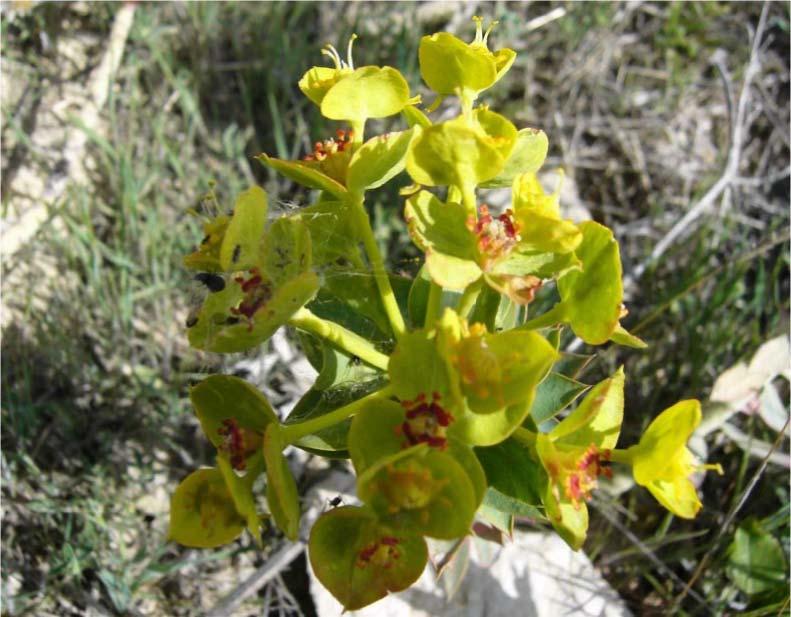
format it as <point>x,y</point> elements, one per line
<point>641,104</point>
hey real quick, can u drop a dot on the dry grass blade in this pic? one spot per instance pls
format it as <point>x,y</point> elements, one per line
<point>729,519</point>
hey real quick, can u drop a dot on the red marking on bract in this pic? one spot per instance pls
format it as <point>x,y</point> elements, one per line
<point>426,422</point>
<point>233,443</point>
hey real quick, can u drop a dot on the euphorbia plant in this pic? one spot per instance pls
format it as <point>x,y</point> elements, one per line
<point>444,391</point>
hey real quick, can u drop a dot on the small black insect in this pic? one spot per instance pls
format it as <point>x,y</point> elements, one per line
<point>192,320</point>
<point>355,361</point>
<point>336,501</point>
<point>214,282</point>
<point>205,240</point>
<point>237,250</point>
<point>230,321</point>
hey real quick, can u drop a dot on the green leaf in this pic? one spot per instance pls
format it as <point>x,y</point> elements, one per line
<point>341,381</point>
<point>368,92</point>
<point>281,489</point>
<point>304,174</point>
<point>756,561</point>
<point>513,471</point>
<point>378,160</point>
<point>245,231</point>
<point>592,297</point>
<point>508,505</point>
<point>202,512</point>
<point>498,519</point>
<point>486,308</point>
<point>222,397</point>
<point>421,490</point>
<point>359,560</point>
<point>527,156</point>
<point>554,394</point>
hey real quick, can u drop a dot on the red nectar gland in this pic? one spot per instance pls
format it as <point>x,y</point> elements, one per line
<point>496,235</point>
<point>582,480</point>
<point>382,553</point>
<point>233,443</point>
<point>426,422</point>
<point>257,293</point>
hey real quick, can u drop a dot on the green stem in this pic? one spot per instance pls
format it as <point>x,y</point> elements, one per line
<point>525,437</point>
<point>358,130</point>
<point>433,305</point>
<point>621,456</point>
<point>468,199</point>
<point>377,264</point>
<point>468,298</point>
<point>340,337</point>
<point>291,433</point>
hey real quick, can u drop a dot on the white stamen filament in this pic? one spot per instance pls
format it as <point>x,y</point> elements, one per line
<point>478,30</point>
<point>330,51</point>
<point>349,51</point>
<point>489,30</point>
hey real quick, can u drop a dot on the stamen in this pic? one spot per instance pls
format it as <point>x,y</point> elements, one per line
<point>330,51</point>
<point>478,30</point>
<point>710,467</point>
<point>489,30</point>
<point>349,51</point>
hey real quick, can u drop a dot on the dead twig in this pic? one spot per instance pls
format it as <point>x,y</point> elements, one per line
<point>731,170</point>
<point>272,568</point>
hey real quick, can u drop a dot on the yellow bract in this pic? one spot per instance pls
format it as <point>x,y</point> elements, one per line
<point>451,66</point>
<point>663,464</point>
<point>346,93</point>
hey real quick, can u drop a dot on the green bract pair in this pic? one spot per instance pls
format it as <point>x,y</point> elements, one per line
<point>453,401</point>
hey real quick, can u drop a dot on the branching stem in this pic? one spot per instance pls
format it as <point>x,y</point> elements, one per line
<point>378,267</point>
<point>340,337</point>
<point>291,433</point>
